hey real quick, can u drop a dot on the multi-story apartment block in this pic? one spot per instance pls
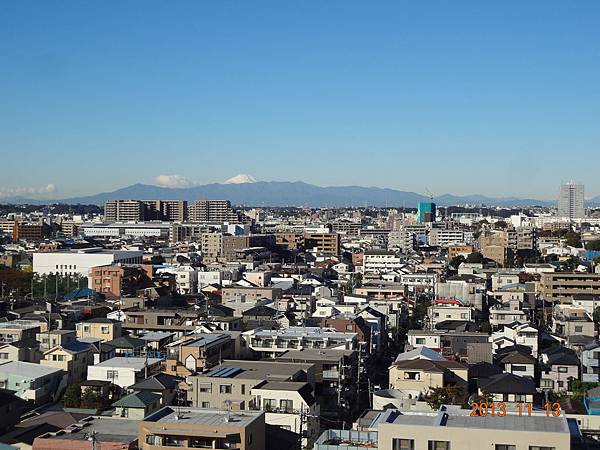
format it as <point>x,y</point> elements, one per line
<point>117,280</point>
<point>197,352</point>
<point>270,343</point>
<point>562,286</point>
<point>213,211</point>
<point>382,261</point>
<point>571,201</point>
<point>125,211</point>
<point>322,242</point>
<point>441,237</point>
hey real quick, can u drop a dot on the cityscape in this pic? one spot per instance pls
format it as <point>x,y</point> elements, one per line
<point>299,225</point>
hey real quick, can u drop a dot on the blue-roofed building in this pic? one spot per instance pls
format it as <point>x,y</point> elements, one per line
<point>78,294</point>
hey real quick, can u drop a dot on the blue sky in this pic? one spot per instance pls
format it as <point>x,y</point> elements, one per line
<point>497,98</point>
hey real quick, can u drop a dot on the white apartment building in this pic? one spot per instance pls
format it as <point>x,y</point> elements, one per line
<point>517,334</point>
<point>440,237</point>
<point>79,262</point>
<point>381,261</point>
<point>443,310</point>
<point>124,371</point>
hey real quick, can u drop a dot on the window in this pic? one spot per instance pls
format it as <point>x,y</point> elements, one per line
<point>519,368</point>
<point>205,387</point>
<point>105,330</point>
<point>201,442</point>
<point>505,447</point>
<point>243,389</point>
<point>420,341</point>
<point>563,369</point>
<point>537,447</point>
<point>269,404</point>
<point>205,405</point>
<point>439,445</point>
<point>520,398</point>
<point>3,355</point>
<point>403,444</point>
<point>411,375</point>
<point>112,374</point>
<point>225,389</point>
<point>286,405</point>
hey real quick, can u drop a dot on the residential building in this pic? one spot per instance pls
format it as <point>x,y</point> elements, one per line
<point>72,358</point>
<point>322,242</point>
<point>516,333</point>
<point>381,261</point>
<point>35,383</point>
<point>124,371</point>
<point>188,428</point>
<point>116,280</point>
<point>137,405</point>
<point>102,329</point>
<point>18,330</point>
<point>213,211</point>
<point>562,286</point>
<point>124,211</point>
<point>197,352</point>
<point>560,366</point>
<point>270,343</point>
<point>419,376</point>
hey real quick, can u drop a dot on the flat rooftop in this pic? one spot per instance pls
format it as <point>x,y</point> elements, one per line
<point>128,362</point>
<point>459,418</point>
<point>198,416</point>
<point>260,370</point>
<point>26,369</point>
<point>307,332</point>
<point>313,354</point>
<point>107,429</point>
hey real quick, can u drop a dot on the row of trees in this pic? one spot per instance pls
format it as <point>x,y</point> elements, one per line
<point>20,283</point>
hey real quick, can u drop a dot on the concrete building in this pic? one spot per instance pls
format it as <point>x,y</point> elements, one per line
<point>125,211</point>
<point>381,261</point>
<point>34,383</point>
<point>73,359</point>
<point>426,212</point>
<point>441,237</point>
<point>213,211</point>
<point>197,352</point>
<point>571,201</point>
<point>124,371</point>
<point>18,330</point>
<point>322,242</point>
<point>562,286</point>
<point>79,262</point>
<point>116,280</point>
<point>189,428</point>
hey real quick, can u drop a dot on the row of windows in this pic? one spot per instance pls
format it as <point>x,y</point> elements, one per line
<point>66,267</point>
<point>409,444</point>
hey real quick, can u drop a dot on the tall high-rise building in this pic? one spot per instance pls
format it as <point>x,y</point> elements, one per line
<point>215,211</point>
<point>426,212</point>
<point>142,210</point>
<point>570,201</point>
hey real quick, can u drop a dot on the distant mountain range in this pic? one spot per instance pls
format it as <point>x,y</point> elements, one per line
<point>285,193</point>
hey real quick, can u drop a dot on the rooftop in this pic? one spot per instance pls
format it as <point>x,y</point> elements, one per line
<point>107,429</point>
<point>197,416</point>
<point>26,369</point>
<point>128,362</point>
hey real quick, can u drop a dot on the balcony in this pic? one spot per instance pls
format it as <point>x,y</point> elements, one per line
<point>346,440</point>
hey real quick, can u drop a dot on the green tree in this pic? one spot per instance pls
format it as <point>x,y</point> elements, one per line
<point>72,397</point>
<point>593,245</point>
<point>485,327</point>
<point>501,225</point>
<point>439,396</point>
<point>91,399</point>
<point>475,257</point>
<point>573,239</point>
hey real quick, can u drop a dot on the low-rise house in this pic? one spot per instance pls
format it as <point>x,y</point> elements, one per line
<point>447,343</point>
<point>517,360</point>
<point>137,405</point>
<point>124,371</point>
<point>197,352</point>
<point>18,330</point>
<point>166,386</point>
<point>52,338</point>
<point>507,388</point>
<point>571,321</point>
<point>35,383</point>
<point>72,358</point>
<point>516,333</point>
<point>291,405</point>
<point>419,376</point>
<point>560,366</point>
<point>590,362</point>
<point>99,328</point>
<point>23,350</point>
<point>506,313</point>
<point>442,310</point>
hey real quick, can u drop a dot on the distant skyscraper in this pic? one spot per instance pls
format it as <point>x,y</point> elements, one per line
<point>570,201</point>
<point>426,212</point>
